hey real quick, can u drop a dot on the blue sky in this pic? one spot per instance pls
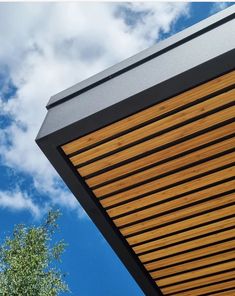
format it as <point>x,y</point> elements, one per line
<point>44,49</point>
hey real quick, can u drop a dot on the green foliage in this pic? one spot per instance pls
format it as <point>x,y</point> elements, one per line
<point>28,259</point>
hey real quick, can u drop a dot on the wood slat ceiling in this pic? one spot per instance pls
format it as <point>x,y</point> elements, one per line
<point>166,178</point>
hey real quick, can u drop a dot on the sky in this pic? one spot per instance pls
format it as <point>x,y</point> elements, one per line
<point>45,48</point>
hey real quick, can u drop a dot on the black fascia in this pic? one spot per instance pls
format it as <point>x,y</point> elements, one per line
<point>50,141</point>
<point>50,145</point>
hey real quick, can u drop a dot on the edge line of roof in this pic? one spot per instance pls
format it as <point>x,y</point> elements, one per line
<point>144,56</point>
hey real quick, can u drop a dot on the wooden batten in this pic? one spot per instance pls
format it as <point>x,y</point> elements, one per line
<point>165,176</point>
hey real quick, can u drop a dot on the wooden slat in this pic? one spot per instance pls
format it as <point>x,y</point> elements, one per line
<point>167,181</point>
<point>155,239</point>
<point>207,290</point>
<point>185,212</point>
<point>150,113</point>
<point>156,126</point>
<point>225,293</point>
<point>180,258</point>
<point>196,273</point>
<point>164,195</point>
<point>198,282</point>
<point>201,263</point>
<point>161,155</point>
<point>183,226</point>
<point>186,246</point>
<point>159,141</point>
<point>166,167</point>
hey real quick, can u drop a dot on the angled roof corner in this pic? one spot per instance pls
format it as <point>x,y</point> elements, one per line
<point>147,147</point>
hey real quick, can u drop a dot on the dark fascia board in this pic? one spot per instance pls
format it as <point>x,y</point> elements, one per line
<point>155,71</point>
<point>56,131</point>
<point>50,144</point>
<point>98,215</point>
<point>143,56</point>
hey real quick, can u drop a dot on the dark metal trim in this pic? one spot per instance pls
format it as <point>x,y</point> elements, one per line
<point>181,108</point>
<point>146,76</point>
<point>50,143</point>
<point>94,209</point>
<point>169,88</point>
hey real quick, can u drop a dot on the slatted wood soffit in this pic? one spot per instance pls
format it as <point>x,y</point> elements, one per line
<point>166,178</point>
<point>148,149</point>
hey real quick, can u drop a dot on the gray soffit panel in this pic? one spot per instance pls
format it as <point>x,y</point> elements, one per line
<point>147,54</point>
<point>191,53</point>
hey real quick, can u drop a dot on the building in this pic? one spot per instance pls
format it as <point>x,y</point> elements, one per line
<point>148,148</point>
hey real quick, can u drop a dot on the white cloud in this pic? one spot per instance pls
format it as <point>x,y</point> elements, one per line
<point>17,201</point>
<point>50,46</point>
<point>152,18</point>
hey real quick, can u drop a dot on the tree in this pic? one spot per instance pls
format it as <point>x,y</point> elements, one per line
<point>28,261</point>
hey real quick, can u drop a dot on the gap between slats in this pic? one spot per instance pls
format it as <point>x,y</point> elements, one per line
<point>143,208</point>
<point>167,182</point>
<point>184,230</point>
<point>191,256</point>
<point>156,128</point>
<point>149,113</point>
<point>194,265</point>
<point>221,288</point>
<point>185,211</point>
<point>171,138</point>
<point>182,247</point>
<point>203,282</point>
<point>165,155</point>
<point>197,274</point>
<point>166,168</point>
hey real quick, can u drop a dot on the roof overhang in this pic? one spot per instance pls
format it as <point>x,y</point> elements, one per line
<point>183,64</point>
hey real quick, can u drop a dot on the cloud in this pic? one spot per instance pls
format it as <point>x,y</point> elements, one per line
<point>147,20</point>
<point>217,6</point>
<point>18,201</point>
<point>50,46</point>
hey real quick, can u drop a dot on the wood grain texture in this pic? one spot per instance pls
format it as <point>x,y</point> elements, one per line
<point>226,293</point>
<point>161,155</point>
<point>150,113</point>
<point>186,246</point>
<point>167,181</point>
<point>167,167</point>
<point>184,212</point>
<point>217,287</point>
<point>179,259</point>
<point>156,127</point>
<point>185,234</point>
<point>201,263</point>
<point>159,141</point>
<point>144,170</point>
<point>196,273</point>
<point>164,196</point>
<point>198,282</point>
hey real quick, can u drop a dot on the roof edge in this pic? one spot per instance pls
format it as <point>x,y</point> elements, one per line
<point>144,56</point>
